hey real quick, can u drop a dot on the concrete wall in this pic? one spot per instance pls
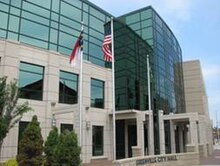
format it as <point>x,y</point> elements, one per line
<point>195,93</point>
<point>180,159</point>
<point>197,101</point>
<point>12,53</point>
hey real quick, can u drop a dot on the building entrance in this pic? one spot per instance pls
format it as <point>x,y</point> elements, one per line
<point>120,139</point>
<point>132,138</point>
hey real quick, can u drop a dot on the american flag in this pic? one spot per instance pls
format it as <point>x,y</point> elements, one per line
<point>106,48</point>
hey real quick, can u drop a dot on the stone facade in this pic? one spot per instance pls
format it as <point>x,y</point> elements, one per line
<point>193,128</point>
<point>197,102</point>
<point>49,109</point>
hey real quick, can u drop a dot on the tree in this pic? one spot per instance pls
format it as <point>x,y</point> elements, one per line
<point>50,145</point>
<point>10,111</point>
<point>67,151</point>
<point>31,145</point>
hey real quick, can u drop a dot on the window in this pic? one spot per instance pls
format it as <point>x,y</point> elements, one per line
<point>64,127</point>
<point>34,30</point>
<point>97,140</point>
<point>4,20</point>
<point>70,11</point>
<point>97,93</point>
<point>31,81</point>
<point>68,88</point>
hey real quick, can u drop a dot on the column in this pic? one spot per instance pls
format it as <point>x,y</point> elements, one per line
<point>140,133</point>
<point>203,136</point>
<point>126,139</point>
<point>172,137</point>
<point>151,133</point>
<point>162,134</point>
<point>185,131</point>
<point>194,134</point>
<point>180,132</point>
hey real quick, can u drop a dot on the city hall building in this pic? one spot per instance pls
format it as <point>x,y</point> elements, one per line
<point>36,39</point>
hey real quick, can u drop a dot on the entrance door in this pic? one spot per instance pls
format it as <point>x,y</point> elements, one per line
<point>177,139</point>
<point>146,150</point>
<point>120,139</point>
<point>132,138</point>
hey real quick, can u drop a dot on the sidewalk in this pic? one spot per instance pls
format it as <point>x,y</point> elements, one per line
<point>213,160</point>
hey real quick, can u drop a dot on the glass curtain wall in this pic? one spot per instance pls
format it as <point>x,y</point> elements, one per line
<point>168,92</point>
<point>130,68</point>
<point>55,25</point>
<point>168,89</point>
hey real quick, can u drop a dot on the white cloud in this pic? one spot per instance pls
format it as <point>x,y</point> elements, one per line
<point>180,8</point>
<point>212,71</point>
<point>174,12</point>
<point>177,8</point>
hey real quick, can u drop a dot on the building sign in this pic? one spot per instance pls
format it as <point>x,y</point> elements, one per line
<point>156,160</point>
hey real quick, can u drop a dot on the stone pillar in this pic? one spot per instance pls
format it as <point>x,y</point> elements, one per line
<point>172,137</point>
<point>180,132</point>
<point>126,139</point>
<point>162,134</point>
<point>194,133</point>
<point>140,133</point>
<point>185,131</point>
<point>188,134</point>
<point>209,139</point>
<point>151,133</point>
<point>203,137</point>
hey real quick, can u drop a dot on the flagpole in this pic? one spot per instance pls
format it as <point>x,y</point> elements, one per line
<point>148,83</point>
<point>151,116</point>
<point>80,93</point>
<point>113,91</point>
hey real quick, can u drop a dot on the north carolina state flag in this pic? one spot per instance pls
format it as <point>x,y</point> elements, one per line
<point>77,50</point>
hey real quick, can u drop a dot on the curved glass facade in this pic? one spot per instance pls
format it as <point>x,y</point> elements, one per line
<point>167,89</point>
<point>55,25</point>
<point>167,81</point>
<point>131,91</point>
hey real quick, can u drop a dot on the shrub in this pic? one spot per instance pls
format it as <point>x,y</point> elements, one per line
<point>49,147</point>
<point>67,151</point>
<point>31,145</point>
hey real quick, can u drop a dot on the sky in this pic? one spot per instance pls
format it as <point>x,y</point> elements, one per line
<point>196,25</point>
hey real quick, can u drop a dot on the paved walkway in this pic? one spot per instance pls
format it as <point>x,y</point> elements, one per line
<point>213,160</point>
<point>99,162</point>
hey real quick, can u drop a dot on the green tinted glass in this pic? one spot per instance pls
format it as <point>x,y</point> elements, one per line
<point>31,81</point>
<point>68,88</point>
<point>13,23</point>
<point>97,93</point>
<point>70,11</point>
<point>4,20</point>
<point>34,30</point>
<point>44,3</point>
